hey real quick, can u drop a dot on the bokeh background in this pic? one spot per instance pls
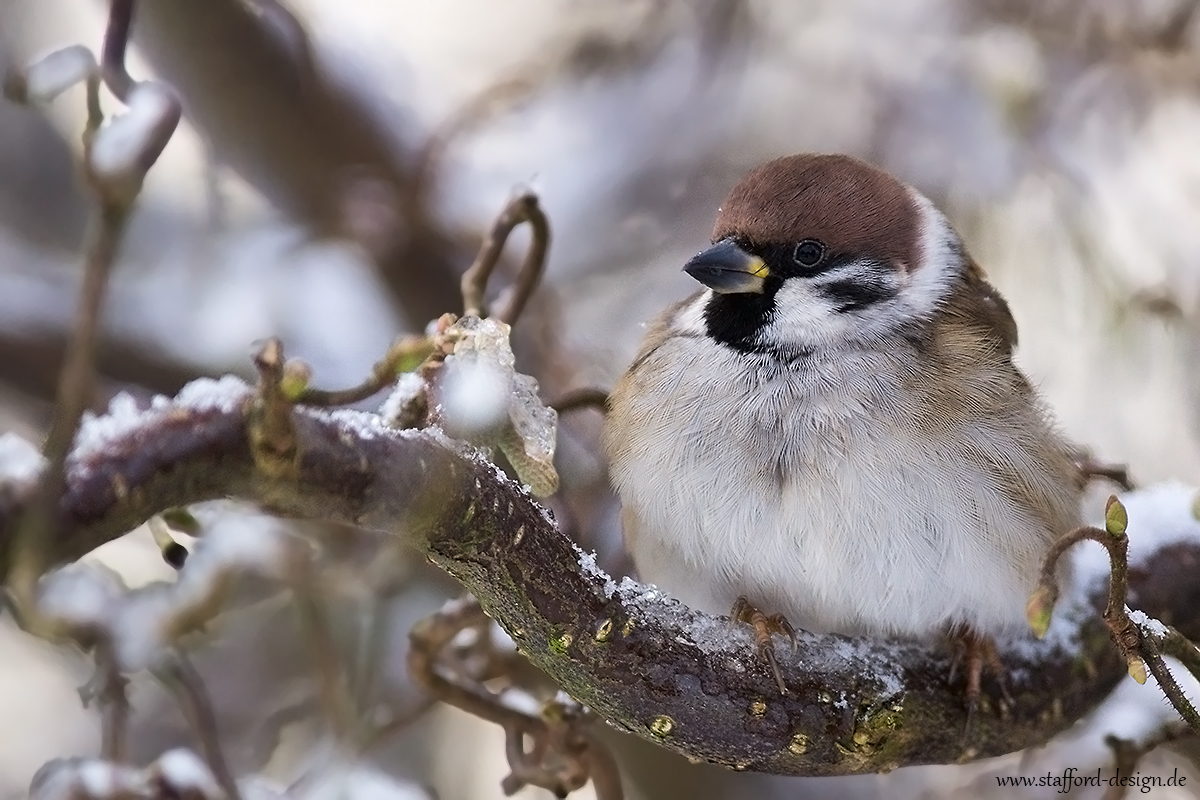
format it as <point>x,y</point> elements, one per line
<point>339,161</point>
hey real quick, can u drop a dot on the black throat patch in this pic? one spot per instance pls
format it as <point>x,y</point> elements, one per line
<point>735,320</point>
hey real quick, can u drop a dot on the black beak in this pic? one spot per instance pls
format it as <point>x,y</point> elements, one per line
<point>728,269</point>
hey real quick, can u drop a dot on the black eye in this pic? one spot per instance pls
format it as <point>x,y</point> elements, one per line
<point>808,253</point>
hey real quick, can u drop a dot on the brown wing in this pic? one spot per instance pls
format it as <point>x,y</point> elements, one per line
<point>980,302</point>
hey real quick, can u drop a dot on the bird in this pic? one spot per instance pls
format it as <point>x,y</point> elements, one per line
<point>833,429</point>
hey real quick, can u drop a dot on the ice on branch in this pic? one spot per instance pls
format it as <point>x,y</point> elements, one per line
<point>483,399</point>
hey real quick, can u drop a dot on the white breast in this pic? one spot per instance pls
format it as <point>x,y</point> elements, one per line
<point>811,492</point>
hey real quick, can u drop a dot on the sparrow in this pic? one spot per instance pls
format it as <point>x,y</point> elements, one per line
<point>833,428</point>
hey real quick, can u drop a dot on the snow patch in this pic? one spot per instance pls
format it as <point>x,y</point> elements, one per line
<point>408,388</point>
<point>20,461</point>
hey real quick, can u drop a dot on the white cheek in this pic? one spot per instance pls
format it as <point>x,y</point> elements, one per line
<point>803,318</point>
<point>941,259</point>
<point>690,318</point>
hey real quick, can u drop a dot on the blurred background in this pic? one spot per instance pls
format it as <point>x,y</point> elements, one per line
<point>339,162</point>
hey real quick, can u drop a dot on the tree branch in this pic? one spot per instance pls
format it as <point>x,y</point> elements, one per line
<point>648,664</point>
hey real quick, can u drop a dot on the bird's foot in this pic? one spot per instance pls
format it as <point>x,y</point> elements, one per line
<point>764,626</point>
<point>975,651</point>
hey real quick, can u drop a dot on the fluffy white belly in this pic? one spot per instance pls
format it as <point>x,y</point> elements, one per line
<point>845,521</point>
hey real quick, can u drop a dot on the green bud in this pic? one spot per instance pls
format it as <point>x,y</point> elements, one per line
<point>1116,520</point>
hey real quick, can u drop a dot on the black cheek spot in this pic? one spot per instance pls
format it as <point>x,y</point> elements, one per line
<point>855,295</point>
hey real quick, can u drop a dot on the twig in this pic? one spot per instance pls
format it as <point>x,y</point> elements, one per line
<point>189,689</point>
<point>1090,469</point>
<point>112,53</point>
<point>108,688</point>
<point>563,755</point>
<point>330,678</point>
<point>1128,753</point>
<point>405,354</point>
<point>378,735</point>
<point>578,399</point>
<point>1138,646</point>
<point>524,208</point>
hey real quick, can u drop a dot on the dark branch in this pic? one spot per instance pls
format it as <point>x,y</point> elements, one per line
<point>646,663</point>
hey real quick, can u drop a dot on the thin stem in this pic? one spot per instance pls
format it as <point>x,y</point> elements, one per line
<point>73,396</point>
<point>112,53</point>
<point>405,353</point>
<point>330,680</point>
<point>114,714</point>
<point>189,689</point>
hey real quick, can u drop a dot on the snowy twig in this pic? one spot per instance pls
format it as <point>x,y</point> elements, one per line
<point>1139,642</point>
<point>563,756</point>
<point>520,209</point>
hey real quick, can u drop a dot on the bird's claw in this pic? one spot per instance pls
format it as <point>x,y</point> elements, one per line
<point>744,611</point>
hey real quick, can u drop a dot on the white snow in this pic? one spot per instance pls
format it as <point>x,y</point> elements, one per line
<point>98,433</point>
<point>80,594</point>
<point>1148,624</point>
<point>224,394</point>
<point>408,388</point>
<point>119,149</point>
<point>47,78</point>
<point>186,775</point>
<point>20,461</point>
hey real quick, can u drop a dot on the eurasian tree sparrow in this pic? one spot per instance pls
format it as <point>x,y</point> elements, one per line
<point>834,427</point>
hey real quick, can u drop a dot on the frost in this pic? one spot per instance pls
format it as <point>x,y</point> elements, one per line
<point>408,388</point>
<point>365,426</point>
<point>49,77</point>
<point>20,461</point>
<point>587,562</point>
<point>1147,623</point>
<point>224,394</point>
<point>535,423</point>
<point>98,434</point>
<point>185,775</point>
<point>178,773</point>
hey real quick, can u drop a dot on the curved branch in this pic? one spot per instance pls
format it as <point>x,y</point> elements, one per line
<point>523,208</point>
<point>643,661</point>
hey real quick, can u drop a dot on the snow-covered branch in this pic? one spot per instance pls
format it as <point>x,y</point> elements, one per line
<point>643,661</point>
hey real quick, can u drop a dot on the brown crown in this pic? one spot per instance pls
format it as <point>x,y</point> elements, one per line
<point>848,204</point>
